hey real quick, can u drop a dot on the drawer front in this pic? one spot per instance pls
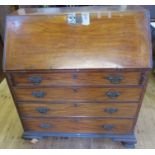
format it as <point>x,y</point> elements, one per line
<point>77,94</point>
<point>78,78</point>
<point>78,109</point>
<point>79,125</point>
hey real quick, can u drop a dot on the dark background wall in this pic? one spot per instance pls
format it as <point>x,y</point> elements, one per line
<point>151,8</point>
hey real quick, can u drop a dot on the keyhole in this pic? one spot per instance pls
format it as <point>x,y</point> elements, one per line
<point>75,90</point>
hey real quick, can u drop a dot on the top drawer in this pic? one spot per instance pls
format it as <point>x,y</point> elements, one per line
<point>76,78</point>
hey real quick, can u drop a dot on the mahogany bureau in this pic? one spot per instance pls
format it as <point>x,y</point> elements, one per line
<point>78,72</point>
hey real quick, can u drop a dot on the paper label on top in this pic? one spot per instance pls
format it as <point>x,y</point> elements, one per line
<point>85,19</point>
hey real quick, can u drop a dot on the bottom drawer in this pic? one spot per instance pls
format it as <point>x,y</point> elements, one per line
<point>79,125</point>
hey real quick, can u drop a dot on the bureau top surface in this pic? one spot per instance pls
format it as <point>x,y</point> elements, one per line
<point>77,38</point>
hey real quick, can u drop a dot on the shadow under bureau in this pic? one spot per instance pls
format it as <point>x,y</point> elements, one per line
<point>78,72</point>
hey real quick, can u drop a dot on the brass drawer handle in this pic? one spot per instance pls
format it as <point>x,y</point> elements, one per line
<point>110,110</point>
<point>114,79</point>
<point>35,79</point>
<point>113,95</point>
<point>45,125</point>
<point>108,127</point>
<point>38,94</point>
<point>42,110</point>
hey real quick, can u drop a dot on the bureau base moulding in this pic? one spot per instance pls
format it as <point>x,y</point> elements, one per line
<point>128,140</point>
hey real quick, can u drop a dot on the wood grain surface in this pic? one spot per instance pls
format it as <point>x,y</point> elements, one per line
<point>77,78</point>
<point>79,125</point>
<point>47,41</point>
<point>78,109</point>
<point>77,94</point>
